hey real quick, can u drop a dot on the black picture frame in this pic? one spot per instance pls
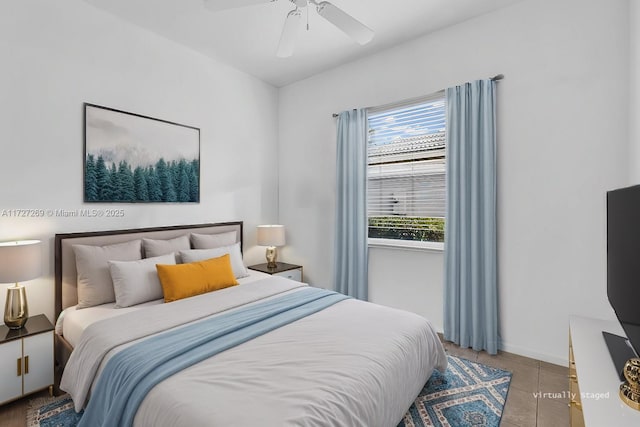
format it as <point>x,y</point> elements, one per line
<point>131,158</point>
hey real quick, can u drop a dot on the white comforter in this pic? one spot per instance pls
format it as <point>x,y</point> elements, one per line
<point>352,364</point>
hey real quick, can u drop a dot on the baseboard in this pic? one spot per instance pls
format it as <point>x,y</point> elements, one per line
<point>562,361</point>
<point>526,352</point>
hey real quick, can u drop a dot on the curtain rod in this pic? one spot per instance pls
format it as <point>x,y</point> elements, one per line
<point>495,78</point>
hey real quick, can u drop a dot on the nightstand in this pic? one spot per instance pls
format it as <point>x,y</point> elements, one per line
<point>26,358</point>
<point>290,271</point>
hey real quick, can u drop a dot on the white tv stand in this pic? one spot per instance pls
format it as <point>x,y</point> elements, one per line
<point>593,378</point>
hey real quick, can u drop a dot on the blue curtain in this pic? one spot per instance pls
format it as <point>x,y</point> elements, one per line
<point>351,251</point>
<point>470,273</point>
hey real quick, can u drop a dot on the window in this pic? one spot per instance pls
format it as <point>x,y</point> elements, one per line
<point>406,173</point>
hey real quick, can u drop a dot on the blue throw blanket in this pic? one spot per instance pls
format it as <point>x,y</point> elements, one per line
<point>133,372</point>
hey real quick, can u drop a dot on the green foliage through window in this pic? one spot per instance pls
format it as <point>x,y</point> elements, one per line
<point>406,228</point>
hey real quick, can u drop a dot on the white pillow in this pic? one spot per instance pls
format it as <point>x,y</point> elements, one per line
<point>135,282</point>
<point>239,270</point>
<point>211,241</point>
<point>154,248</point>
<point>94,280</point>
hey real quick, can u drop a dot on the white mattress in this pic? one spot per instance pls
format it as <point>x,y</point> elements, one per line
<point>72,322</point>
<point>353,364</point>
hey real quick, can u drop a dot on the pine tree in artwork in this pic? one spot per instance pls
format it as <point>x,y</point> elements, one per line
<point>114,178</point>
<point>125,177</point>
<point>140,185</point>
<point>194,182</point>
<point>103,181</point>
<point>184,194</point>
<point>166,181</point>
<point>153,185</point>
<point>170,194</point>
<point>90,180</point>
<point>175,176</point>
<point>165,176</point>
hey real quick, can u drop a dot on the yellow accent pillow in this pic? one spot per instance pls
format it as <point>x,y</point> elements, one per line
<point>195,278</point>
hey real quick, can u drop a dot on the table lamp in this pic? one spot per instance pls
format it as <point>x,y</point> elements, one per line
<point>271,236</point>
<point>19,261</point>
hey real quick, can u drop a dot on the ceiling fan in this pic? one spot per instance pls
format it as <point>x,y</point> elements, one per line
<point>345,22</point>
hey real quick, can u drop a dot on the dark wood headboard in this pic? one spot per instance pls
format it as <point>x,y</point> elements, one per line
<point>65,272</point>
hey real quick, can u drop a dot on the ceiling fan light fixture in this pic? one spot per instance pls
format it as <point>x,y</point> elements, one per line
<point>345,22</point>
<point>289,34</point>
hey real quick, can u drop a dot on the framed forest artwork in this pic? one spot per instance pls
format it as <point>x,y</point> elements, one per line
<point>130,158</point>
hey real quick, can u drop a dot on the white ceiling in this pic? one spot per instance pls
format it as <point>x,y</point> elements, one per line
<point>247,38</point>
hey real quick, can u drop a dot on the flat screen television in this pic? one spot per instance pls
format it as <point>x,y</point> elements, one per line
<point>623,262</point>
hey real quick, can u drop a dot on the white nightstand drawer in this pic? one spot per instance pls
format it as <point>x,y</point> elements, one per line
<point>26,358</point>
<point>295,274</point>
<point>38,365</point>
<point>10,370</point>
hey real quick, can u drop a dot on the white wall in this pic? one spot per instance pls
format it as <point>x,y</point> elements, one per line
<point>408,279</point>
<point>57,55</point>
<point>562,142</point>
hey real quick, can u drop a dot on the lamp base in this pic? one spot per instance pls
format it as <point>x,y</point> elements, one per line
<point>272,255</point>
<point>630,389</point>
<point>16,309</point>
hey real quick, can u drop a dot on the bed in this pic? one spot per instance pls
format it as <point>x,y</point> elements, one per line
<point>343,362</point>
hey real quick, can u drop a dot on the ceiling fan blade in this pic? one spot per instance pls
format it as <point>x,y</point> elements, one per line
<point>345,22</point>
<point>289,34</point>
<point>218,5</point>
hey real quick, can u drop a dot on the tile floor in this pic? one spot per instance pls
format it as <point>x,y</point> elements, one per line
<point>14,414</point>
<point>523,408</point>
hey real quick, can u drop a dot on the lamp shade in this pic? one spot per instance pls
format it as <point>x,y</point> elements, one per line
<point>20,261</point>
<point>271,235</point>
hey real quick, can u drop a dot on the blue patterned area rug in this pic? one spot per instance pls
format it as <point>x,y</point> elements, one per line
<point>52,412</point>
<point>468,394</point>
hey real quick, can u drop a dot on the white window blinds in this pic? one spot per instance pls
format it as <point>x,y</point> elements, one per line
<point>406,193</point>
